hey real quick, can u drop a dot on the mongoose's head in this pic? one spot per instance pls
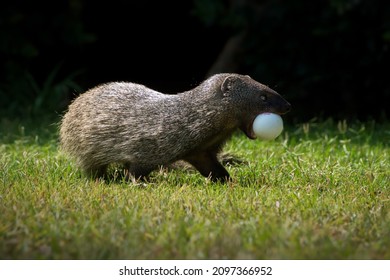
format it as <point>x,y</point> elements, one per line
<point>251,99</point>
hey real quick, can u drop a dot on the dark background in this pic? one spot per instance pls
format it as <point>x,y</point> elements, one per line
<point>329,58</point>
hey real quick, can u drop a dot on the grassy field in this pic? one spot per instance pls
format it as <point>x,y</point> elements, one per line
<point>320,191</point>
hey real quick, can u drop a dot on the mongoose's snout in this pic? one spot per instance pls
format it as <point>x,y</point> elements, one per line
<point>275,103</point>
<point>284,108</point>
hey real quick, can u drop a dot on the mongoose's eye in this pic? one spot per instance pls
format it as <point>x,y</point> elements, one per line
<point>263,97</point>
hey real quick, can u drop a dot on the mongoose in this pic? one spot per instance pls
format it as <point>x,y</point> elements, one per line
<point>142,129</point>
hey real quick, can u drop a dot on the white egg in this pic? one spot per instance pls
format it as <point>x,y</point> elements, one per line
<point>268,126</point>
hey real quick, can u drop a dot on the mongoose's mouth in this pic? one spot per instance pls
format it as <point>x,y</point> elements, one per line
<point>248,129</point>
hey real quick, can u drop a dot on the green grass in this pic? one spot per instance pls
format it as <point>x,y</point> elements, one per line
<point>320,191</point>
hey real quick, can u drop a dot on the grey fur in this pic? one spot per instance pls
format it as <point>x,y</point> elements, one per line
<point>142,129</point>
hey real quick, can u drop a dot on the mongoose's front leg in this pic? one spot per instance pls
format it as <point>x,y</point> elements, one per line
<point>209,166</point>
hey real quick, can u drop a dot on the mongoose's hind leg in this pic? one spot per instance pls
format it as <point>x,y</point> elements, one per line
<point>209,166</point>
<point>137,172</point>
<point>96,171</point>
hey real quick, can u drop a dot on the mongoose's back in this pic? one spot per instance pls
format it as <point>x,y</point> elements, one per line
<point>138,127</point>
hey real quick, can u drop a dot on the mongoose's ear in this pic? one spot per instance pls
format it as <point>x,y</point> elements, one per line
<point>227,84</point>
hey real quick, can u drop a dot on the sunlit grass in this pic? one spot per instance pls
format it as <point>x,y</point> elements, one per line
<point>320,191</point>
